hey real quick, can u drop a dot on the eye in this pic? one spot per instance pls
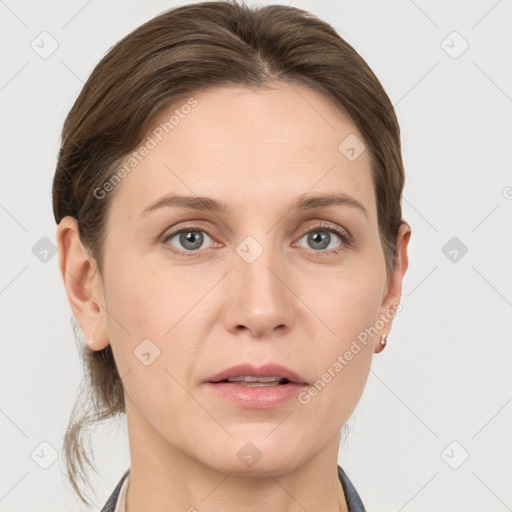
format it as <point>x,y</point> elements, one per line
<point>325,239</point>
<point>188,239</point>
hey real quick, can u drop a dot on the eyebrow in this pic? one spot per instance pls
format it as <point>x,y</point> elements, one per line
<point>303,202</point>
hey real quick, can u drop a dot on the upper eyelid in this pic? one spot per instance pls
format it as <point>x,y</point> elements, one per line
<point>323,224</point>
<point>187,227</point>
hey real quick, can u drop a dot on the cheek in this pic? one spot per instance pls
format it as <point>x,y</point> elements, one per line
<point>145,297</point>
<point>346,302</point>
<point>349,304</point>
<point>160,304</point>
<point>149,332</point>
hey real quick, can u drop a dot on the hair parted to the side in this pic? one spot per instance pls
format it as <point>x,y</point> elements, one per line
<point>165,61</point>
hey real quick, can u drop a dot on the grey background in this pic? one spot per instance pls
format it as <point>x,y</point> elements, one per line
<point>445,375</point>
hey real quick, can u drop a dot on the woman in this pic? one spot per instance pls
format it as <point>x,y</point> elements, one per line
<point>231,242</point>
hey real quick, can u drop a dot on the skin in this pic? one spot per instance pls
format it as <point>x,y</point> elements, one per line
<point>295,305</point>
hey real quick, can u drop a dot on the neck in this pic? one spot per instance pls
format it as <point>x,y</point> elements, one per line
<point>164,478</point>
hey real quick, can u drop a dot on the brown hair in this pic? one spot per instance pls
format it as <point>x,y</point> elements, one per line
<point>179,52</point>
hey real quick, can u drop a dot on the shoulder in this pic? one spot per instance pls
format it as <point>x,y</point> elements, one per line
<point>111,503</point>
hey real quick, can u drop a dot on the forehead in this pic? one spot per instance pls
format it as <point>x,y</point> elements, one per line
<point>246,146</point>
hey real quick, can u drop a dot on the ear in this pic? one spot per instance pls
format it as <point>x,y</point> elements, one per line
<point>392,296</point>
<point>83,283</point>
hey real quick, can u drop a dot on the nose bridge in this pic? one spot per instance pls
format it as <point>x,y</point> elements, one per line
<point>259,301</point>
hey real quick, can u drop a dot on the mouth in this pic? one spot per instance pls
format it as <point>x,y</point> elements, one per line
<point>250,381</point>
<point>248,375</point>
<point>253,387</point>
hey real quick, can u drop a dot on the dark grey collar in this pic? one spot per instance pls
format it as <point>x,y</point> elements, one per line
<point>353,500</point>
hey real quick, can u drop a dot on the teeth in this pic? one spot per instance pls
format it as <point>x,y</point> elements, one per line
<point>249,378</point>
<point>259,384</point>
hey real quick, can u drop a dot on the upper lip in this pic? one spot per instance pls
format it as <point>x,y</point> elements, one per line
<point>266,370</point>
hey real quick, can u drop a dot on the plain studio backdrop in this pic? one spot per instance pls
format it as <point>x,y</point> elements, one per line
<point>432,429</point>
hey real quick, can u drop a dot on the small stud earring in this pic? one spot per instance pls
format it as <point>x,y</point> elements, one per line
<point>384,341</point>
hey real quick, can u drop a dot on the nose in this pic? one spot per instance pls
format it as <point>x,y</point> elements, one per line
<point>260,302</point>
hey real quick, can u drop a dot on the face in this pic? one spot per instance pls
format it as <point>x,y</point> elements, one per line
<point>275,274</point>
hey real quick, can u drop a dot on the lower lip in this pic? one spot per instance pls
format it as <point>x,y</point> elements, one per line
<point>257,397</point>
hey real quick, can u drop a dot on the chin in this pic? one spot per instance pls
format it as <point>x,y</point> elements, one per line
<point>255,455</point>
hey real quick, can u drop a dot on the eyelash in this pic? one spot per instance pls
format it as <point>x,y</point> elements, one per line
<point>345,237</point>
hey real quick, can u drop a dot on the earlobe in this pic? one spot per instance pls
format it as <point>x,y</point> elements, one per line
<point>382,345</point>
<point>83,284</point>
